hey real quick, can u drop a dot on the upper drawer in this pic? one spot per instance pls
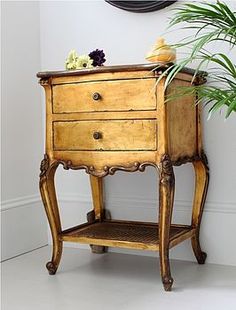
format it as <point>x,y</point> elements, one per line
<point>109,135</point>
<point>125,95</point>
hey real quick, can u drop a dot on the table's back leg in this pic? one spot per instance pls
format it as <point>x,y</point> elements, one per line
<point>98,212</point>
<point>48,194</point>
<point>201,186</point>
<point>166,200</point>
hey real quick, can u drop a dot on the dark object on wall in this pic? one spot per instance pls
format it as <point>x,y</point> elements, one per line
<point>140,6</point>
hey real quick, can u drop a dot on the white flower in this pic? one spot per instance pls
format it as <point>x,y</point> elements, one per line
<point>84,61</point>
<point>71,61</point>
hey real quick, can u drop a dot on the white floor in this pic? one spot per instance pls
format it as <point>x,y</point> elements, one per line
<point>113,281</point>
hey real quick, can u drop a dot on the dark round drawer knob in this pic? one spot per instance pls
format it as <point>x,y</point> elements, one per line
<point>96,96</point>
<point>97,135</point>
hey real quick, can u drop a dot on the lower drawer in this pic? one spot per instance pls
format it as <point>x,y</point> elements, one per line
<point>107,135</point>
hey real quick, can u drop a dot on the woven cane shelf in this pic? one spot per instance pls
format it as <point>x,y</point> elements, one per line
<point>124,234</point>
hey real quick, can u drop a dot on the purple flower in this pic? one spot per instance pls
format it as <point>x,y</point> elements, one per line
<point>98,57</point>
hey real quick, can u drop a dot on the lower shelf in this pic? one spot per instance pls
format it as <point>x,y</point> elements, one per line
<point>133,235</point>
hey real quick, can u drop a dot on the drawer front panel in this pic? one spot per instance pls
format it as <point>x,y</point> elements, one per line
<point>118,135</point>
<point>123,95</point>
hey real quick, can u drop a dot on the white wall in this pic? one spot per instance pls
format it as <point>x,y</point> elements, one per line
<point>23,220</point>
<point>125,38</point>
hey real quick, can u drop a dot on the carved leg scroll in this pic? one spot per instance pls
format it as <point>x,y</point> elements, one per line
<point>201,186</point>
<point>48,193</point>
<point>166,199</point>
<point>98,212</point>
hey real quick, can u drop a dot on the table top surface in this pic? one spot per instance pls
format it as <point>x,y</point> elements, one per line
<point>157,67</point>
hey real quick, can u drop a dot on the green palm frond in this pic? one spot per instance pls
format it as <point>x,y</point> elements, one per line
<point>210,22</point>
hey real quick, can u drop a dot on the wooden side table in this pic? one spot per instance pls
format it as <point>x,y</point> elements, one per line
<point>115,118</point>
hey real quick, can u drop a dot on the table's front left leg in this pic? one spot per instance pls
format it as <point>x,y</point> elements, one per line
<point>48,194</point>
<point>166,200</point>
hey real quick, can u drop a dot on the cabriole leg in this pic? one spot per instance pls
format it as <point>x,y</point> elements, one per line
<point>48,194</point>
<point>166,200</point>
<point>201,186</point>
<point>98,212</point>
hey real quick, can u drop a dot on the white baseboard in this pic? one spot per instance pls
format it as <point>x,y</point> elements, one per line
<point>24,226</point>
<point>19,202</point>
<point>140,202</point>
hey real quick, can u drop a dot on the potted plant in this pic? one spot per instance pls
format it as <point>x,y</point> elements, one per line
<point>211,22</point>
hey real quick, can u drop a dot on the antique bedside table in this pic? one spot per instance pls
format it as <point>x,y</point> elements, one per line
<point>115,118</point>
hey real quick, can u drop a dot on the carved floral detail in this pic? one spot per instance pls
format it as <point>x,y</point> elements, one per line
<point>165,166</point>
<point>185,159</point>
<point>44,81</point>
<point>166,171</point>
<point>44,166</point>
<point>106,170</point>
<point>200,79</point>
